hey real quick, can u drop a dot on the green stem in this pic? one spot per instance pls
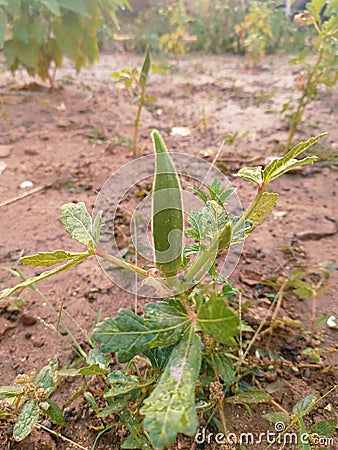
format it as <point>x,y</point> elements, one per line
<point>137,120</point>
<point>305,98</point>
<point>120,262</point>
<point>204,260</point>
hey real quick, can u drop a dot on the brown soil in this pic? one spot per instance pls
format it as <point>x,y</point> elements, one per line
<point>68,141</point>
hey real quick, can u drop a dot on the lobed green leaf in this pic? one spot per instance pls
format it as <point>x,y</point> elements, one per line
<point>216,318</point>
<point>263,209</point>
<point>129,334</point>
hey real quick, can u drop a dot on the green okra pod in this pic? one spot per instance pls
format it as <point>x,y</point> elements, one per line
<point>167,212</point>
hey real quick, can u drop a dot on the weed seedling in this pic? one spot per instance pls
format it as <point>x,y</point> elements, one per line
<point>137,84</point>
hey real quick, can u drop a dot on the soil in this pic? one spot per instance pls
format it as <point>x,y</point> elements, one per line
<point>68,141</point>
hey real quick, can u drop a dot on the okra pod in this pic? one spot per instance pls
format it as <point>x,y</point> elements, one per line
<point>167,212</point>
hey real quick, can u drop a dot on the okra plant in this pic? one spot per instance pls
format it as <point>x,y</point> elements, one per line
<point>179,355</point>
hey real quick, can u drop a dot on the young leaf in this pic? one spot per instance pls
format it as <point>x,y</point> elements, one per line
<point>282,165</point>
<point>275,417</point>
<point>219,193</point>
<point>48,259</point>
<point>170,409</point>
<point>216,318</point>
<point>26,420</point>
<point>145,70</point>
<point>79,224</point>
<point>254,174</point>
<point>97,357</point>
<point>29,281</point>
<point>263,209</point>
<point>252,395</point>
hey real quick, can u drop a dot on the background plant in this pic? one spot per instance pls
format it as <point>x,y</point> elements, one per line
<point>136,83</point>
<point>38,34</point>
<point>318,69</point>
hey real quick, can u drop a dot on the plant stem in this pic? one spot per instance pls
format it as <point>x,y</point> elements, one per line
<point>208,255</point>
<point>306,97</point>
<point>120,262</point>
<point>137,120</point>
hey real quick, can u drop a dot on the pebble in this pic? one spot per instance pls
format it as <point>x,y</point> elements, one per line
<point>307,373</point>
<point>27,320</point>
<point>39,343</point>
<point>28,335</point>
<point>3,166</point>
<point>26,184</point>
<point>5,150</point>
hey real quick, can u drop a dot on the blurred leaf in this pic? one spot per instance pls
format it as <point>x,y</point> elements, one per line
<point>53,6</point>
<point>77,6</point>
<point>26,420</point>
<point>3,27</point>
<point>252,395</point>
<point>48,259</point>
<point>54,413</point>
<point>264,208</point>
<point>145,70</point>
<point>325,428</point>
<point>46,378</point>
<point>305,405</point>
<point>276,417</point>
<point>10,391</point>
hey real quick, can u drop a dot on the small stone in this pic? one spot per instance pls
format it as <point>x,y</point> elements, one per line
<point>5,150</point>
<point>47,423</point>
<point>28,335</point>
<point>39,343</point>
<point>27,320</point>
<point>26,184</point>
<point>270,377</point>
<point>307,373</point>
<point>31,151</point>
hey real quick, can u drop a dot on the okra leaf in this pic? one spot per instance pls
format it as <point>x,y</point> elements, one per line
<point>263,209</point>
<point>79,225</point>
<point>219,193</point>
<point>275,417</point>
<point>171,409</point>
<point>53,6</point>
<point>254,174</point>
<point>29,281</point>
<point>26,420</point>
<point>282,165</point>
<point>48,259</point>
<point>216,318</point>
<point>145,70</point>
<point>122,383</point>
<point>129,334</point>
